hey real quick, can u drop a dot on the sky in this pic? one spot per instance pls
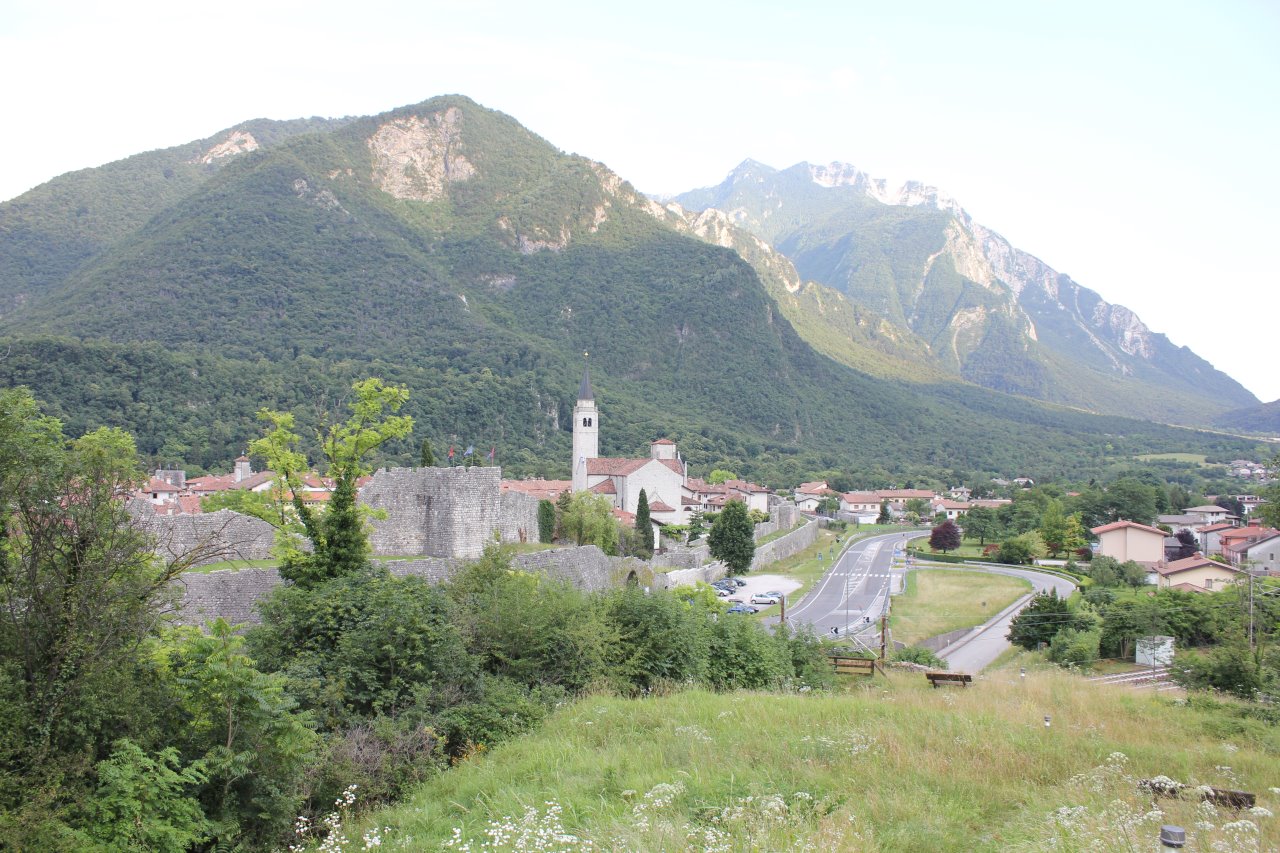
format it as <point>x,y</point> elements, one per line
<point>1130,145</point>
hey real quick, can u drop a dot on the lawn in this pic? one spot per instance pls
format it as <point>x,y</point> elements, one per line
<point>1196,458</point>
<point>937,601</point>
<point>888,765</point>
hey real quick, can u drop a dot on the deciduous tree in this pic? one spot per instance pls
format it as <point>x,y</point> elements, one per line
<point>945,537</point>
<point>732,537</point>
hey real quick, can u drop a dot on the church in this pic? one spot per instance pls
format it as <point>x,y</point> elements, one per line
<point>663,475</point>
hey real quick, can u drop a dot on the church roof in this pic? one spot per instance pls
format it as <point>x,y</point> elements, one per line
<point>604,487</point>
<point>613,467</point>
<point>584,388</point>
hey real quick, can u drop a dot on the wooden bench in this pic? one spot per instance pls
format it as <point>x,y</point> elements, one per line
<point>854,666</point>
<point>964,679</point>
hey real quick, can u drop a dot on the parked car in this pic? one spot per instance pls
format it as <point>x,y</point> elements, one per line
<point>723,593</point>
<point>775,594</point>
<point>764,598</point>
<point>736,598</point>
<point>737,581</point>
<point>742,608</point>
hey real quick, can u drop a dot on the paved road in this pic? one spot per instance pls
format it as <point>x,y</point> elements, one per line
<point>978,648</point>
<point>851,596</point>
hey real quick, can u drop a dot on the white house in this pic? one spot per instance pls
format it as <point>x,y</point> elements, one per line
<point>1127,540</point>
<point>1264,555</point>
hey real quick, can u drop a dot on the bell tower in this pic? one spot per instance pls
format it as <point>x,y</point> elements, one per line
<point>586,431</point>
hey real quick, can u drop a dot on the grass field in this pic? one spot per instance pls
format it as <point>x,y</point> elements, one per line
<point>1196,458</point>
<point>937,601</point>
<point>889,765</point>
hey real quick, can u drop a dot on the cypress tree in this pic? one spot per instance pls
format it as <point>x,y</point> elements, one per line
<point>428,458</point>
<point>546,521</point>
<point>643,525</point>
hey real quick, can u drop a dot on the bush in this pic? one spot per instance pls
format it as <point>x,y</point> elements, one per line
<point>1074,648</point>
<point>920,655</point>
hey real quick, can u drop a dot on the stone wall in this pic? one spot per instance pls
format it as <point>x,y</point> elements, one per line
<point>785,546</point>
<point>518,515</point>
<point>210,537</point>
<point>439,512</point>
<point>234,595</point>
<point>688,577</point>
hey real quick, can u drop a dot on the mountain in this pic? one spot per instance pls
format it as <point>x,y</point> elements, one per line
<point>1264,418</point>
<point>444,246</point>
<point>982,310</point>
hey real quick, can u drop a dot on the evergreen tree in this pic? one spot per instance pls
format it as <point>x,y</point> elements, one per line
<point>1040,621</point>
<point>945,537</point>
<point>696,526</point>
<point>644,527</point>
<point>427,459</point>
<point>546,521</point>
<point>732,537</point>
<point>884,517</point>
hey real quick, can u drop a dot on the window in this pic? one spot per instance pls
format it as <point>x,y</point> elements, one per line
<point>586,422</point>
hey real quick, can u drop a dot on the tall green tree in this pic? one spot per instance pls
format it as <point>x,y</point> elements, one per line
<point>644,526</point>
<point>1053,527</point>
<point>981,522</point>
<point>426,458</point>
<point>732,537</point>
<point>1040,621</point>
<point>885,517</point>
<point>546,521</point>
<point>340,544</point>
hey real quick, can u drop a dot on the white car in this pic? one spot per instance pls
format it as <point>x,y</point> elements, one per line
<point>764,598</point>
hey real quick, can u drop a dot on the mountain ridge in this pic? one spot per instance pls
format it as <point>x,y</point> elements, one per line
<point>1016,313</point>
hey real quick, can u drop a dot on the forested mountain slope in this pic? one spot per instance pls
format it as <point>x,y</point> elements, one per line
<point>444,246</point>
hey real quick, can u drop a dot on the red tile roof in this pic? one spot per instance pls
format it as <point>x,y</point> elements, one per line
<point>660,506</point>
<point>615,467</point>
<point>1119,525</point>
<point>1196,561</point>
<point>541,489</point>
<point>662,441</point>
<point>605,487</point>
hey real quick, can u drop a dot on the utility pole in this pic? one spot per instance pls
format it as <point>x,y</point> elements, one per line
<point>884,634</point>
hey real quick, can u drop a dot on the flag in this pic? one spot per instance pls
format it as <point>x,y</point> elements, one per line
<point>451,451</point>
<point>470,450</point>
<point>492,450</point>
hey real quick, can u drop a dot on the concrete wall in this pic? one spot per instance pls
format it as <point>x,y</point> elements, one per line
<point>688,577</point>
<point>785,546</point>
<point>439,512</point>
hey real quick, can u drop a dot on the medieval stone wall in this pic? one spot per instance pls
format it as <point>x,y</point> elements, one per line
<point>234,595</point>
<point>210,537</point>
<point>785,546</point>
<point>518,517</point>
<point>439,512</point>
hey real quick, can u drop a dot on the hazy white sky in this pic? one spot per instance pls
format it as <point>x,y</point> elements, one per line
<point>1132,145</point>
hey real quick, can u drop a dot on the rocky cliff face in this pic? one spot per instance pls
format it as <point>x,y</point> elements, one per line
<point>980,307</point>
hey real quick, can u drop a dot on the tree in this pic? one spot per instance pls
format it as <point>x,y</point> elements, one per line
<point>885,517</point>
<point>1188,545</point>
<point>945,537</point>
<point>732,537</point>
<point>919,506</point>
<point>1022,549</point>
<point>589,520</point>
<point>1040,621</point>
<point>981,522</point>
<point>546,521</point>
<point>829,505</point>
<point>340,544</point>
<point>644,527</point>
<point>1053,527</point>
<point>697,525</point>
<point>80,593</point>
<point>720,475</point>
<point>427,459</point>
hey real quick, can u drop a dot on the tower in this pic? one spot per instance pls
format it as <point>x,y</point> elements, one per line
<point>586,431</point>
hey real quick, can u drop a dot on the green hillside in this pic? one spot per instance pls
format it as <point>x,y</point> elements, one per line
<point>981,309</point>
<point>893,766</point>
<point>445,247</point>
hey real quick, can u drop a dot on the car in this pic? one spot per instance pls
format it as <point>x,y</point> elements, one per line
<point>737,581</point>
<point>723,593</point>
<point>763,598</point>
<point>724,584</point>
<point>736,599</point>
<point>742,608</point>
<point>775,594</point>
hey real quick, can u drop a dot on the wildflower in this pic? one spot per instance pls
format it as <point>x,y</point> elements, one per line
<point>1260,811</point>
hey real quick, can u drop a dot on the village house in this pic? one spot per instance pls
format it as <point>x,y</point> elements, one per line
<point>1210,536</point>
<point>1127,540</point>
<point>1195,574</point>
<point>1262,556</point>
<point>1235,543</point>
<point>952,509</point>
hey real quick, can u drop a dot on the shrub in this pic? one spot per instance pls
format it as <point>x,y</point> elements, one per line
<point>920,655</point>
<point>1074,648</point>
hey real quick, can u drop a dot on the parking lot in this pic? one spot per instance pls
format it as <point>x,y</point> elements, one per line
<point>765,583</point>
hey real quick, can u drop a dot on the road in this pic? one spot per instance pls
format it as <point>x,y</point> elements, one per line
<point>981,646</point>
<point>853,594</point>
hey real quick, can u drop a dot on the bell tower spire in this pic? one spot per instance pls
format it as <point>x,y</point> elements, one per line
<point>586,429</point>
